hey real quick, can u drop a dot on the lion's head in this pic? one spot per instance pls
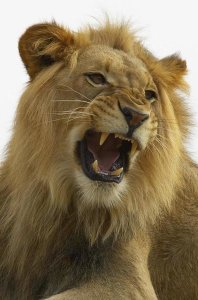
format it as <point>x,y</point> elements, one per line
<point>101,125</point>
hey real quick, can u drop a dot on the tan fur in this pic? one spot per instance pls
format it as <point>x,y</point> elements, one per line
<point>150,218</point>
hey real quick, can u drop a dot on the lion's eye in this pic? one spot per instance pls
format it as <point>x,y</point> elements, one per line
<point>150,95</point>
<point>96,78</point>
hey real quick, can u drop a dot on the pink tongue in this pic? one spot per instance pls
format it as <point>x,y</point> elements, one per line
<point>105,161</point>
<point>106,154</point>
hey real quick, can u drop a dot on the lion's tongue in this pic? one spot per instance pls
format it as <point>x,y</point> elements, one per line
<point>106,154</point>
<point>106,159</point>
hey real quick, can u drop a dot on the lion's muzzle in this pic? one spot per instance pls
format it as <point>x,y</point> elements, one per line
<point>133,118</point>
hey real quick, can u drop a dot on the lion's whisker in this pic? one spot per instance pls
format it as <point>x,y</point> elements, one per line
<point>158,151</point>
<point>59,119</point>
<point>161,143</point>
<point>162,137</point>
<point>70,100</point>
<point>70,88</point>
<point>69,113</point>
<point>149,148</point>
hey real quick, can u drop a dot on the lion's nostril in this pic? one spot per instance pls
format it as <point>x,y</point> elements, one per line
<point>127,113</point>
<point>133,118</point>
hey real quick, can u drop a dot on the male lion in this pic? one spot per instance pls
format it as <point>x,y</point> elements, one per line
<point>98,195</point>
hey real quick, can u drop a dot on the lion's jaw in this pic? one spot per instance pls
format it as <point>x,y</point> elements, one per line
<point>104,152</point>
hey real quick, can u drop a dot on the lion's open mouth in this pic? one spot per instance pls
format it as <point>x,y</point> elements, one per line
<point>103,156</point>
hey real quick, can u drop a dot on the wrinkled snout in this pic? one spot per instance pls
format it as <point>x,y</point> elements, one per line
<point>133,118</point>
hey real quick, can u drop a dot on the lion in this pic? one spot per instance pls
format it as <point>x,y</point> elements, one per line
<point>98,194</point>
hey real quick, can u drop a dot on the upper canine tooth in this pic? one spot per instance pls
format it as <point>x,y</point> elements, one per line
<point>95,166</point>
<point>117,172</point>
<point>103,137</point>
<point>134,147</point>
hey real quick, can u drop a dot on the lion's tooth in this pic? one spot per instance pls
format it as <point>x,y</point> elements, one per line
<point>95,166</point>
<point>134,147</point>
<point>118,136</point>
<point>103,137</point>
<point>122,137</point>
<point>117,172</point>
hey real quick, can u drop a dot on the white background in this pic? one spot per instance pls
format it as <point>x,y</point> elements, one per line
<point>167,27</point>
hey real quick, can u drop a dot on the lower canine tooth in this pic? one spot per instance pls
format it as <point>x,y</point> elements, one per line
<point>95,166</point>
<point>134,147</point>
<point>103,137</point>
<point>117,172</point>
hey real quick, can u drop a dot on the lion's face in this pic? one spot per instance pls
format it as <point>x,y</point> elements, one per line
<point>109,113</point>
<point>112,106</point>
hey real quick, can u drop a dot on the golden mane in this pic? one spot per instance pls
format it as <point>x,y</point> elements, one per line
<point>45,201</point>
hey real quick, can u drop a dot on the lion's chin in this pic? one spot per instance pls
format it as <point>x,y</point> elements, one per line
<point>104,157</point>
<point>99,193</point>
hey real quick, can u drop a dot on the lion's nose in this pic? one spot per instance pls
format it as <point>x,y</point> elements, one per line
<point>134,118</point>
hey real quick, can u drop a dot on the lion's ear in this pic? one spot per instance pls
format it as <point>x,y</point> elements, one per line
<point>171,71</point>
<point>43,44</point>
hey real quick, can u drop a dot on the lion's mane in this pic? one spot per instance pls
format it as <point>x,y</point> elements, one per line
<point>42,205</point>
